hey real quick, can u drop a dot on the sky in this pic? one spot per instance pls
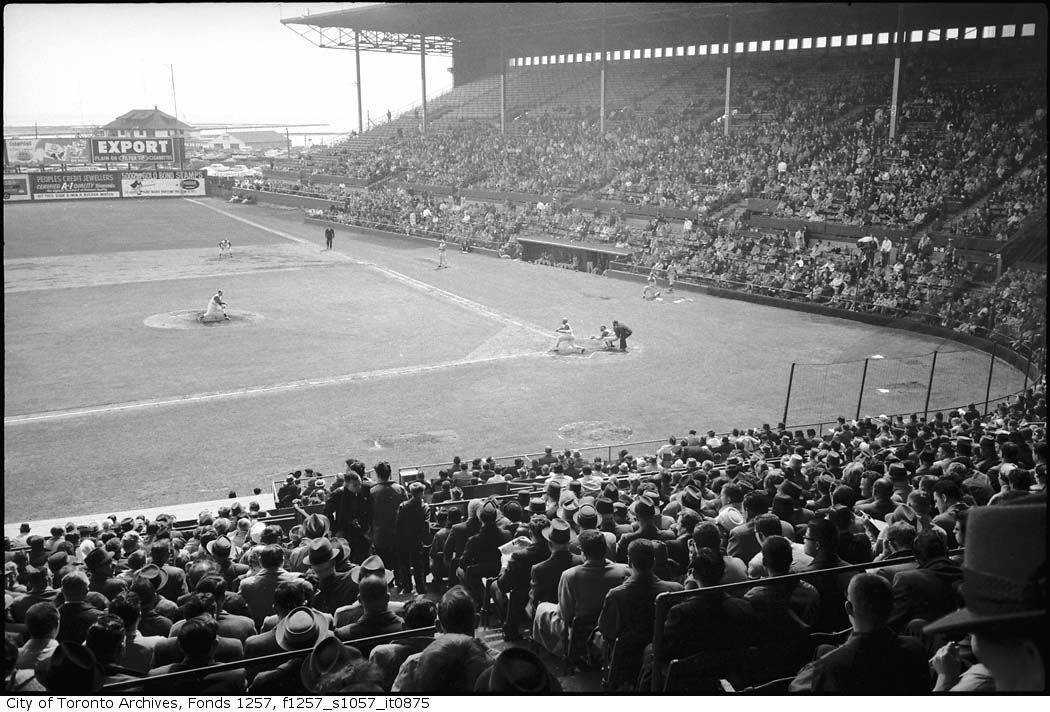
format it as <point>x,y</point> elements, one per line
<point>233,62</point>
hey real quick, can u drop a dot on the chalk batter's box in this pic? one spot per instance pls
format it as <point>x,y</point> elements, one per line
<point>67,186</point>
<point>157,184</point>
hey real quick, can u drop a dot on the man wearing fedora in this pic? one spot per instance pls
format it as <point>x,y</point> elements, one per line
<point>545,576</point>
<point>1004,591</point>
<point>581,593</point>
<point>314,526</point>
<point>511,590</point>
<point>335,588</point>
<point>301,629</point>
<point>372,567</point>
<point>100,568</point>
<point>221,550</point>
<point>160,554</point>
<point>287,597</point>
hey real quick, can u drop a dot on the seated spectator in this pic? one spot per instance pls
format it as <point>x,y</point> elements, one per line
<point>1004,614</point>
<point>853,547</point>
<point>821,543</point>
<point>377,618</point>
<point>38,590</point>
<point>546,575</point>
<point>450,665</point>
<point>105,638</point>
<point>775,601</point>
<point>510,591</point>
<point>931,589</point>
<point>301,629</point>
<point>42,626</point>
<point>138,648</point>
<point>707,622</point>
<point>629,610</point>
<point>75,615</point>
<point>258,590</point>
<point>768,525</point>
<point>335,668</point>
<point>481,556</point>
<point>287,597</point>
<point>335,588</point>
<point>198,642</point>
<point>153,621</point>
<point>581,594</point>
<point>230,626</point>
<point>874,660</point>
<point>199,605</point>
<point>71,670</point>
<point>517,671</point>
<point>372,567</point>
<point>457,620</point>
<point>420,612</point>
<point>707,535</point>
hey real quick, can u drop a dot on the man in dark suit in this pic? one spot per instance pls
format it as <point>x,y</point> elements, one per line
<point>286,598</point>
<point>377,618</point>
<point>350,510</point>
<point>160,554</point>
<point>412,527</point>
<point>874,660</point>
<point>543,582</point>
<point>199,605</point>
<point>929,591</point>
<point>511,590</point>
<point>742,541</point>
<point>630,609</point>
<point>458,536</point>
<point>481,556</point>
<point>197,644</point>
<point>821,542</point>
<point>75,615</point>
<point>645,513</point>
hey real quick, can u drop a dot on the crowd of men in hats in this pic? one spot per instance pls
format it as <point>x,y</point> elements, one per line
<point>574,564</point>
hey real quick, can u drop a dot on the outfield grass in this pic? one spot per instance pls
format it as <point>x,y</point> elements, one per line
<point>465,345</point>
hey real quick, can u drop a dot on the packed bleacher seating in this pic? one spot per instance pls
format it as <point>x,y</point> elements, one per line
<point>753,540</point>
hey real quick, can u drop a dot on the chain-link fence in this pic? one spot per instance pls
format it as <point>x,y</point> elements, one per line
<point>819,393</point>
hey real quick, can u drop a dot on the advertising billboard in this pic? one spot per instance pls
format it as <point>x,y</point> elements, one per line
<point>153,184</point>
<point>63,186</point>
<point>135,150</point>
<point>46,151</point>
<point>16,187</point>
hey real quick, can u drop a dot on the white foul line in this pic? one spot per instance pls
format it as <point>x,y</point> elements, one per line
<point>467,304</point>
<point>255,390</point>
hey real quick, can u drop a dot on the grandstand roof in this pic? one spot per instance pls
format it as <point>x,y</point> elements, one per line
<point>533,27</point>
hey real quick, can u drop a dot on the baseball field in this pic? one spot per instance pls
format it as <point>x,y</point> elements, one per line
<point>115,398</point>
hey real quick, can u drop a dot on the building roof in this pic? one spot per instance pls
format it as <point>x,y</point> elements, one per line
<point>254,137</point>
<point>147,119</point>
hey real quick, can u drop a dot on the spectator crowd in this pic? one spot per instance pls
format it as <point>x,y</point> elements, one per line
<point>568,565</point>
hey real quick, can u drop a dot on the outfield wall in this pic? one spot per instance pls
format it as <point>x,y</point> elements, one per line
<point>88,185</point>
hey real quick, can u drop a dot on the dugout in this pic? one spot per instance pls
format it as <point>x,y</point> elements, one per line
<point>590,256</point>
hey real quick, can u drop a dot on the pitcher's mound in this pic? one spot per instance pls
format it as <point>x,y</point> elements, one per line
<point>191,319</point>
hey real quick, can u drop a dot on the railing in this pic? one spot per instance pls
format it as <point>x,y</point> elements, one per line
<point>665,601</point>
<point>265,661</point>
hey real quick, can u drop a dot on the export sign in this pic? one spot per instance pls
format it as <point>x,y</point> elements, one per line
<point>62,186</point>
<point>46,151</point>
<point>153,184</point>
<point>16,187</point>
<point>133,150</point>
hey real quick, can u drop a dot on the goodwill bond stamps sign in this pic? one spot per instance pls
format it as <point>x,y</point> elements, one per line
<point>152,184</point>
